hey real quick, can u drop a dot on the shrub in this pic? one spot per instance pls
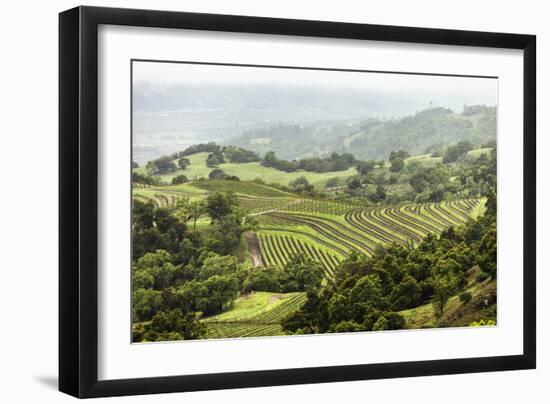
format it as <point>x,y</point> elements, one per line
<point>482,276</point>
<point>381,324</point>
<point>465,297</point>
<point>216,174</point>
<point>179,179</point>
<point>346,326</point>
<point>483,323</point>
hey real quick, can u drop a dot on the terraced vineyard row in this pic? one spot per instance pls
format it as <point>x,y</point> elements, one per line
<point>413,222</point>
<point>257,324</point>
<point>340,233</point>
<point>277,250</point>
<point>321,206</point>
<point>242,188</point>
<point>258,205</point>
<point>160,200</point>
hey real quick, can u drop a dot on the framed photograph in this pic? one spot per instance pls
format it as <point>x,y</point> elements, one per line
<point>251,201</point>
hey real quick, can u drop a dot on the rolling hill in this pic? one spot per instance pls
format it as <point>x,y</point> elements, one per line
<point>434,128</point>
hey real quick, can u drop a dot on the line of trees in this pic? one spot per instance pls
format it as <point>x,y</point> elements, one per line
<point>334,162</point>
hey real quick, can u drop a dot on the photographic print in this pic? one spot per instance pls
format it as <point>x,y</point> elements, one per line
<point>277,201</point>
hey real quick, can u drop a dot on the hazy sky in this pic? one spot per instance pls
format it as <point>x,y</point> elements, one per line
<point>471,90</point>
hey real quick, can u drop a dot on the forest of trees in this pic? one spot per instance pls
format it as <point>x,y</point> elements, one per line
<point>180,274</point>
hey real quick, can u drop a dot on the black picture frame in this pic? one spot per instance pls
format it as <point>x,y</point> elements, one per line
<point>78,201</point>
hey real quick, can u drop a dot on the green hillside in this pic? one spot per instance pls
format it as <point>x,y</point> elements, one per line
<point>249,171</point>
<point>434,128</point>
<point>198,169</point>
<point>404,243</point>
<point>428,160</point>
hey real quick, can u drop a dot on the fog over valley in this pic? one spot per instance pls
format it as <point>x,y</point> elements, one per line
<point>177,105</point>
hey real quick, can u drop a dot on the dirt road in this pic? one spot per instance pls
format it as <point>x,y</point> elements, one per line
<point>254,249</point>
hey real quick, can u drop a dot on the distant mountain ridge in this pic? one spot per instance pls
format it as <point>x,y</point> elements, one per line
<point>428,130</point>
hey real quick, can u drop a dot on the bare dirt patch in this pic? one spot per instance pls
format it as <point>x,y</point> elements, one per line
<point>254,249</point>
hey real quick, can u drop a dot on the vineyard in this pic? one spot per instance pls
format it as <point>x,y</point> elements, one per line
<point>241,188</point>
<point>268,309</point>
<point>159,199</point>
<point>277,249</point>
<point>323,229</point>
<point>330,230</point>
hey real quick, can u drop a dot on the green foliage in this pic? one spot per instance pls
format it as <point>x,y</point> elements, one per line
<point>482,276</point>
<point>335,162</point>
<point>406,294</point>
<point>169,326</point>
<point>483,323</point>
<point>239,155</point>
<point>379,195</point>
<point>216,264</point>
<point>145,179</point>
<point>365,167</point>
<point>381,324</point>
<point>161,166</point>
<point>347,326</point>
<point>216,174</point>
<point>145,303</point>
<point>444,286</point>
<point>183,163</point>
<point>354,183</point>
<point>488,252</point>
<point>155,229</point>
<point>332,182</point>
<point>179,179</point>
<point>219,205</point>
<point>397,164</point>
<point>453,153</point>
<point>218,293</point>
<point>198,148</point>
<point>301,185</point>
<point>465,297</point>
<point>262,279</point>
<point>177,273</point>
<point>301,273</point>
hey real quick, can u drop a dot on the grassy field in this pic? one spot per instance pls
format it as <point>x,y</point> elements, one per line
<point>249,171</point>
<point>254,315</point>
<point>252,305</point>
<point>428,160</point>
